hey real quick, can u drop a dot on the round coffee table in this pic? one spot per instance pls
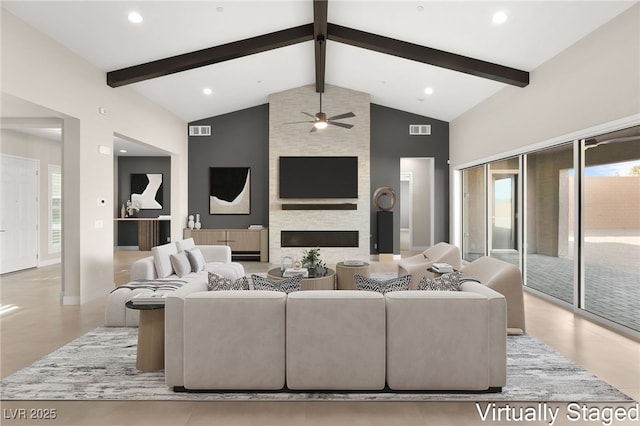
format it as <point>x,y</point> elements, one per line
<point>346,274</point>
<point>150,355</point>
<point>324,282</point>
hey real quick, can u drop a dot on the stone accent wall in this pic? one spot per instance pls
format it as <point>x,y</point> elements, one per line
<point>295,140</point>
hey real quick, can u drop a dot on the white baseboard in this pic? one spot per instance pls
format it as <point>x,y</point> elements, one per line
<point>50,262</point>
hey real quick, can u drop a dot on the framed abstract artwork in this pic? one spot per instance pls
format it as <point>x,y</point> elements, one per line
<point>229,190</point>
<point>147,190</point>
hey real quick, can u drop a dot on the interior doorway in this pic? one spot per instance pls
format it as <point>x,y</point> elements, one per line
<point>416,203</point>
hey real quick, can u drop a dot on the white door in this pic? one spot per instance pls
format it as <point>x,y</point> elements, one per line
<point>18,213</point>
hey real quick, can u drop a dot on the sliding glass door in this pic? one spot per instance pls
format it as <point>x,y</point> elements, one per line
<point>611,229</point>
<point>503,210</point>
<point>474,238</point>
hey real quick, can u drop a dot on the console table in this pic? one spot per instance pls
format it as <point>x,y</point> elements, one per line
<point>148,231</point>
<point>246,244</point>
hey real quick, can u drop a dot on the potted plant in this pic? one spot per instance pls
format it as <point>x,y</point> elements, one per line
<point>313,262</point>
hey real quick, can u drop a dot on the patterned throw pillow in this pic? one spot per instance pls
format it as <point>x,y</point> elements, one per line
<point>287,285</point>
<point>447,282</point>
<point>394,284</point>
<point>218,282</point>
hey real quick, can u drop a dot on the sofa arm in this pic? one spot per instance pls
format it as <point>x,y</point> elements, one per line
<point>144,269</point>
<point>174,332</point>
<point>216,253</point>
<point>497,331</point>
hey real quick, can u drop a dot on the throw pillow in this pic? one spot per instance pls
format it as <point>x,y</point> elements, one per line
<point>162,260</point>
<point>287,285</point>
<point>446,282</point>
<point>218,282</point>
<point>180,264</point>
<point>382,286</point>
<point>196,259</point>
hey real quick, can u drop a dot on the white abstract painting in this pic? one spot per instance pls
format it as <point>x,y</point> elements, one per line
<point>229,190</point>
<point>146,190</point>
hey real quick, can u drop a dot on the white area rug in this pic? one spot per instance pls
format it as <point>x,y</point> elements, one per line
<point>101,366</point>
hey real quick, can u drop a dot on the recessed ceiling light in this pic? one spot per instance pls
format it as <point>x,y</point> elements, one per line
<point>207,91</point>
<point>123,151</point>
<point>499,17</point>
<point>135,17</point>
<point>428,91</point>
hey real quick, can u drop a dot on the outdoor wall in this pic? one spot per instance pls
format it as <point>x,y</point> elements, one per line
<point>47,152</point>
<point>593,82</point>
<point>74,90</point>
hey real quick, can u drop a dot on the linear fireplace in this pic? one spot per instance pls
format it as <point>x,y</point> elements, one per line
<point>319,239</point>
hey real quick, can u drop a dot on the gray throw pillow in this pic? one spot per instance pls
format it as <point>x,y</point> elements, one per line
<point>446,282</point>
<point>287,285</point>
<point>218,282</point>
<point>382,286</point>
<point>180,264</point>
<point>196,259</point>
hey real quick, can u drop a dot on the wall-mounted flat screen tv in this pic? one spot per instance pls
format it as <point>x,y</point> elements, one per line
<point>318,177</point>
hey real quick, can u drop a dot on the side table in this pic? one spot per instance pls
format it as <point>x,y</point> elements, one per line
<point>345,274</point>
<point>150,356</point>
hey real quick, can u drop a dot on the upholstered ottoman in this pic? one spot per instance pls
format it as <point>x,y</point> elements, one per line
<point>234,340</point>
<point>446,340</point>
<point>335,340</point>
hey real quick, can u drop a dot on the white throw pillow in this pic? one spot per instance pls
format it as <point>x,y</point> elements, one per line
<point>185,245</point>
<point>180,264</point>
<point>162,260</point>
<point>196,259</point>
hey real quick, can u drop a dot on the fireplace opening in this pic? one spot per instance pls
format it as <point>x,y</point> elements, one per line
<point>319,239</point>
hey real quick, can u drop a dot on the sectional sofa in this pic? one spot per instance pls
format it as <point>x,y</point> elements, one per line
<point>335,340</point>
<point>178,263</point>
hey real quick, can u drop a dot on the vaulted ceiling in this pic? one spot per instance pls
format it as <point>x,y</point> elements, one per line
<point>358,44</point>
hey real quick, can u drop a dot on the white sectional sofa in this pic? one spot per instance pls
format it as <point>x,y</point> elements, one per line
<point>336,340</point>
<point>159,268</point>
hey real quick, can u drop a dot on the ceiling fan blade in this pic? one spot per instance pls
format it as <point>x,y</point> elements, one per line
<point>345,125</point>
<point>310,115</point>
<point>345,115</point>
<point>313,129</point>
<point>298,122</point>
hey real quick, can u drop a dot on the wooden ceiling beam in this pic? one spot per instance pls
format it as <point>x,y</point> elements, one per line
<point>320,40</point>
<point>210,56</point>
<point>428,55</point>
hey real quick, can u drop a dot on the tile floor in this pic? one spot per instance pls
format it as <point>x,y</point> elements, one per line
<point>41,324</point>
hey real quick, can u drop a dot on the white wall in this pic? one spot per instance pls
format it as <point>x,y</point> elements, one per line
<point>594,82</point>
<point>38,70</point>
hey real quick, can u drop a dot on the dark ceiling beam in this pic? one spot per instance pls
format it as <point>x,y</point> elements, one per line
<point>320,38</point>
<point>209,56</point>
<point>428,55</point>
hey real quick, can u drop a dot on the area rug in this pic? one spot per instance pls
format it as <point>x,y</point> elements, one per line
<point>101,366</point>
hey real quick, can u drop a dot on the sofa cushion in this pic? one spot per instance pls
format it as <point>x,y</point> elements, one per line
<point>162,260</point>
<point>196,259</point>
<point>382,286</point>
<point>447,282</point>
<point>180,264</point>
<point>185,245</point>
<point>287,285</point>
<point>218,283</point>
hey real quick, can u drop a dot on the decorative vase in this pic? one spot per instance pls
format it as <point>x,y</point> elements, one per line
<point>190,223</point>
<point>123,212</point>
<point>198,225</point>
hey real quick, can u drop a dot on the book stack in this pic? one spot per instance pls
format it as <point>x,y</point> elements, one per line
<point>256,227</point>
<point>292,272</point>
<point>150,297</point>
<point>442,268</point>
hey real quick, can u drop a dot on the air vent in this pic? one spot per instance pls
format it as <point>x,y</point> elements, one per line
<point>199,130</point>
<point>420,129</point>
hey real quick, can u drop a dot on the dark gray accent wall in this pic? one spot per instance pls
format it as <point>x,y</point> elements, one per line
<point>390,141</point>
<point>238,139</point>
<point>128,232</point>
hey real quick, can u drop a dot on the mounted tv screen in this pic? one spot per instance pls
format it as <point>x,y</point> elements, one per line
<point>318,177</point>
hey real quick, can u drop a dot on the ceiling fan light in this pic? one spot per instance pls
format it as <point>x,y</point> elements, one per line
<point>320,125</point>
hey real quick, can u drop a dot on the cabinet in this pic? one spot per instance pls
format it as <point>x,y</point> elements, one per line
<point>246,244</point>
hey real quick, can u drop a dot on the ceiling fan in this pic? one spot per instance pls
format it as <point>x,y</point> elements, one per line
<point>321,121</point>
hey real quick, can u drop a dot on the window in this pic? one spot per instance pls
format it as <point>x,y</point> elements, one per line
<point>55,209</point>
